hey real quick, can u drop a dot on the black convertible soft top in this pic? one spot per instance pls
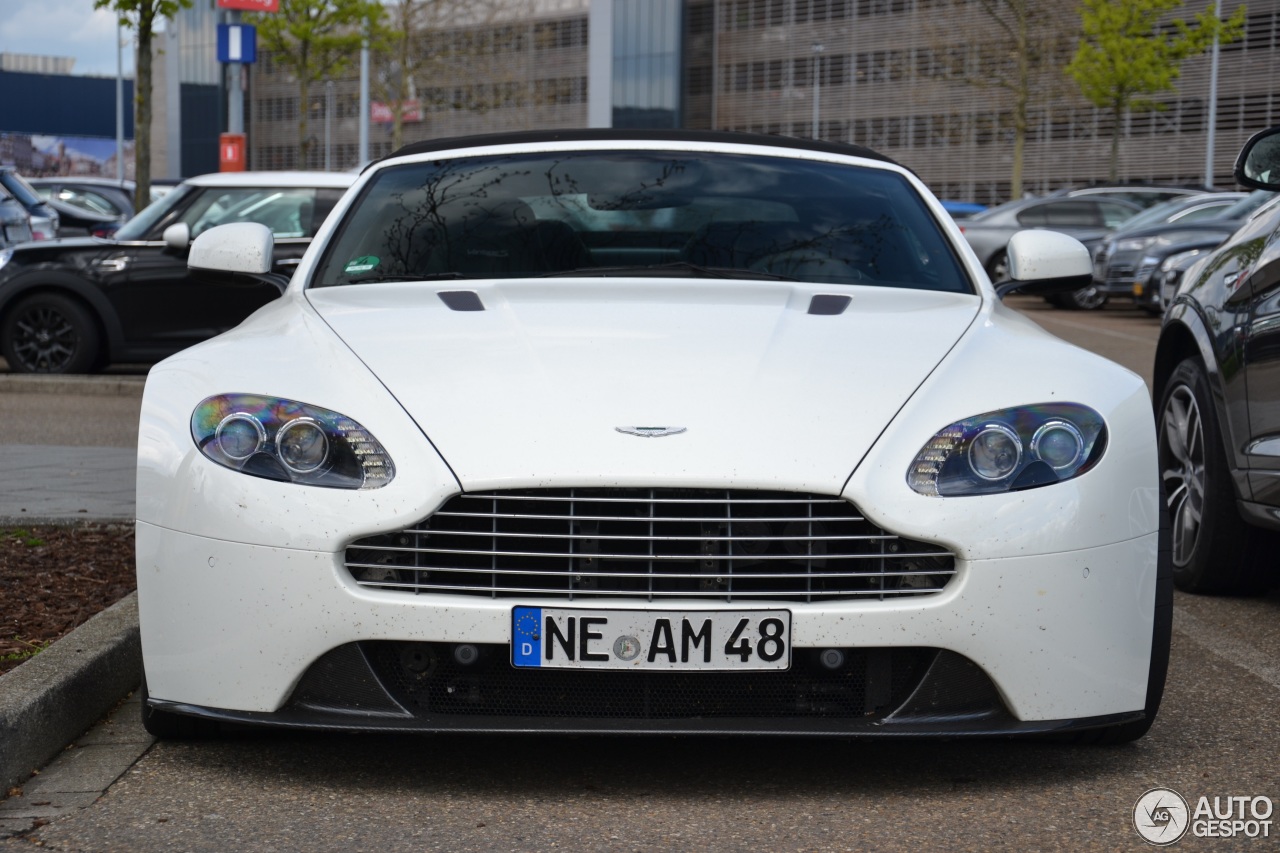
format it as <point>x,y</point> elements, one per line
<point>623,135</point>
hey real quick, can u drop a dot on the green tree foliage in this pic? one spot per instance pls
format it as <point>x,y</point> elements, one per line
<point>315,40</point>
<point>142,15</point>
<point>1132,52</point>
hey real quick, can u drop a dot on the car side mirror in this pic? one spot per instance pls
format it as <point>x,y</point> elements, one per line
<point>177,236</point>
<point>238,254</point>
<point>1258,166</point>
<point>1044,262</point>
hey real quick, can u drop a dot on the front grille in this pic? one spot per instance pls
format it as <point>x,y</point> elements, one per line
<point>424,678</point>
<point>650,544</point>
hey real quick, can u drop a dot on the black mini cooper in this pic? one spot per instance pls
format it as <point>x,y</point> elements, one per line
<point>75,305</point>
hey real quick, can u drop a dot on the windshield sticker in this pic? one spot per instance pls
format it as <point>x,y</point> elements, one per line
<point>364,264</point>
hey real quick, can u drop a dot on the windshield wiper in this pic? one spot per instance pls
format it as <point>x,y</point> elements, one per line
<point>379,279</point>
<point>674,268</point>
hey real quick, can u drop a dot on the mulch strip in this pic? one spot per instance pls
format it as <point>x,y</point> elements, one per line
<point>54,578</point>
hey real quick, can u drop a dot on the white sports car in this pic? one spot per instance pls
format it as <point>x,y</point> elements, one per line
<point>669,432</point>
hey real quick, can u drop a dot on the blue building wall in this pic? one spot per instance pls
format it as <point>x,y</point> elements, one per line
<point>62,105</point>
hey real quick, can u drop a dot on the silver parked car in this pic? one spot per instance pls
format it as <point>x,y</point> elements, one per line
<point>1086,219</point>
<point>15,222</point>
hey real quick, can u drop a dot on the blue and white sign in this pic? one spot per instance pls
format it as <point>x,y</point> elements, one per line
<point>237,43</point>
<point>526,640</point>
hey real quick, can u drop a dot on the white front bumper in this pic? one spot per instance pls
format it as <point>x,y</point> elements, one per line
<point>234,626</point>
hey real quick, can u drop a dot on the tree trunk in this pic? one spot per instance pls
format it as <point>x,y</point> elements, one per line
<point>142,109</point>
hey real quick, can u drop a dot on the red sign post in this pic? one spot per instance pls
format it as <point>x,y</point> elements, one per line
<point>231,152</point>
<point>250,5</point>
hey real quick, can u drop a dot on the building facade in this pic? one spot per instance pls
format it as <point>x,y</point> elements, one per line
<point>904,77</point>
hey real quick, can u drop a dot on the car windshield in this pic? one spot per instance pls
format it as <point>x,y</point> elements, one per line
<point>1246,205</point>
<point>19,188</point>
<point>138,227</point>
<point>1154,215</point>
<point>641,213</point>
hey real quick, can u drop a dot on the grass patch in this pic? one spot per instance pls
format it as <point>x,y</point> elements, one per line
<point>31,651</point>
<point>26,537</point>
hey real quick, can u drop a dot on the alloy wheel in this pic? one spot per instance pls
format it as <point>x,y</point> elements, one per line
<point>1182,467</point>
<point>45,340</point>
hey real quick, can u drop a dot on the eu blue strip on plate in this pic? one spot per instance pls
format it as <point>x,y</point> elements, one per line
<point>526,636</point>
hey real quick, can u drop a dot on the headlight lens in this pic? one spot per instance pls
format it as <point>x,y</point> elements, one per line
<point>1009,450</point>
<point>1134,244</point>
<point>289,441</point>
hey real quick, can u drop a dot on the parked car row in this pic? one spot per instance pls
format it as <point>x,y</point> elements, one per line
<point>76,304</point>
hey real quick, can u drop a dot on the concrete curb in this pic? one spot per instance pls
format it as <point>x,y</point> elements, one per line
<point>55,696</point>
<point>103,386</point>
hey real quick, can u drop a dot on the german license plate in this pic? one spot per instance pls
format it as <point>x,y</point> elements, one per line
<point>570,638</point>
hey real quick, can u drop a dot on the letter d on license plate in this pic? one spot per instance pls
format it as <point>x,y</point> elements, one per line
<point>559,638</point>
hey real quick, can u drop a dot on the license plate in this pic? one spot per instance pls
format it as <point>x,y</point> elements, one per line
<point>563,638</point>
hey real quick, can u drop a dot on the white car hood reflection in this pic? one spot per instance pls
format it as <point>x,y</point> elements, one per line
<point>531,390</point>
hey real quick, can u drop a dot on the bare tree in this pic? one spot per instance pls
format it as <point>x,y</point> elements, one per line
<point>421,40</point>
<point>1021,54</point>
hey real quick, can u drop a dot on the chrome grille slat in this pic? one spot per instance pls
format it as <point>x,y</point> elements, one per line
<point>514,497</point>
<point>668,557</point>
<point>662,538</point>
<point>664,575</point>
<point>641,518</point>
<point>540,591</point>
<point>650,544</point>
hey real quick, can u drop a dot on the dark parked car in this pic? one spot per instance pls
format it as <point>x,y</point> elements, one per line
<point>100,195</point>
<point>72,305</point>
<point>15,222</point>
<point>1217,392</point>
<point>1131,261</point>
<point>44,219</point>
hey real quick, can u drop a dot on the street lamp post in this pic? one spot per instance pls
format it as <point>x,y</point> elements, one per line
<point>1213,102</point>
<point>120,104</point>
<point>817,48</point>
<point>328,125</point>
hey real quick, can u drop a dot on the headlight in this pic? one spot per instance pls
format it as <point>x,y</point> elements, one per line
<point>288,441</point>
<point>1009,450</point>
<point>1134,244</point>
<point>1181,261</point>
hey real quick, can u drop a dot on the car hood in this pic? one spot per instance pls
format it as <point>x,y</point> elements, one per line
<point>532,389</point>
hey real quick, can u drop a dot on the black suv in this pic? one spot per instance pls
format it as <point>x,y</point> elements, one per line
<point>1217,392</point>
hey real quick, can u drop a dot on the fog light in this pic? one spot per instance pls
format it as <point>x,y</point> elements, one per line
<point>832,658</point>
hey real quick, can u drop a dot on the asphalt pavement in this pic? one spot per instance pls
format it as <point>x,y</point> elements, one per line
<point>70,457</point>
